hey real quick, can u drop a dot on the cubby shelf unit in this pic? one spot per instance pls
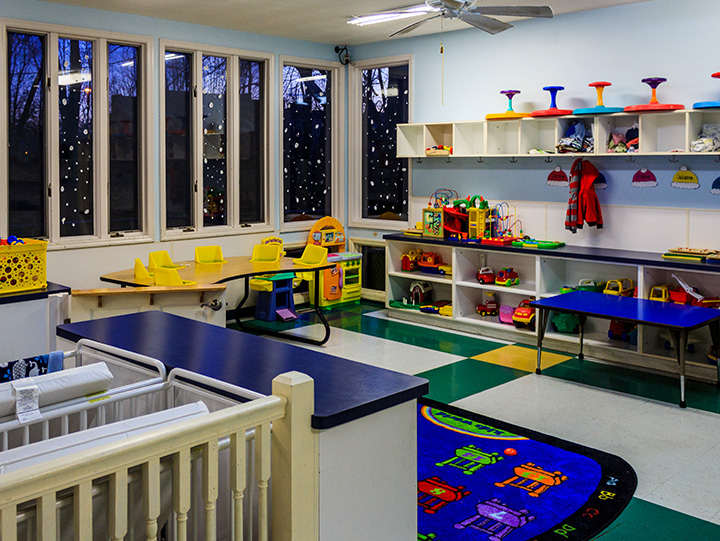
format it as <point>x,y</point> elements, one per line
<point>660,133</point>
<point>542,273</point>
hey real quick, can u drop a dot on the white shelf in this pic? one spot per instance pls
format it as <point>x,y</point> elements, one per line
<point>542,274</point>
<point>660,134</point>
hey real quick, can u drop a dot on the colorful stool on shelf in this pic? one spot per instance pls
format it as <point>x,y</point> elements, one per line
<point>600,107</point>
<point>708,104</point>
<point>654,104</point>
<point>552,110</point>
<point>509,114</point>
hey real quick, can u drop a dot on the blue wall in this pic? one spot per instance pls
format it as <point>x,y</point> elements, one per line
<point>659,38</point>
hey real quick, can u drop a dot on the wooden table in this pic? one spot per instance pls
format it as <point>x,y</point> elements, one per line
<point>236,268</point>
<point>677,318</point>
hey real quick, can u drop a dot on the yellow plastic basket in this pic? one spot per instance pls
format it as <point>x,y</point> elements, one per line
<point>23,267</point>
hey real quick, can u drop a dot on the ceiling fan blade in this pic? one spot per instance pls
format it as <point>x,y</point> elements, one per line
<point>489,25</point>
<point>513,11</point>
<point>414,25</point>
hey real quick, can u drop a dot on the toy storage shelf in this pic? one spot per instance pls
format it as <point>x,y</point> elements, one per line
<point>661,133</point>
<point>542,273</point>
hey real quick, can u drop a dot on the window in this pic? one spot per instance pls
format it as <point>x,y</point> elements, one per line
<point>78,152</point>
<point>311,142</point>
<point>380,101</point>
<point>215,140</point>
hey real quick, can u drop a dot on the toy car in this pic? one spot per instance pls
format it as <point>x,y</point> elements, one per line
<point>435,308</point>
<point>620,330</point>
<point>445,270</point>
<point>524,315</point>
<point>486,275</point>
<point>623,286</point>
<point>507,277</point>
<point>660,293</point>
<point>586,284</point>
<point>490,308</point>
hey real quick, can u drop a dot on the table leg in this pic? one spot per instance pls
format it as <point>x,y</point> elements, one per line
<point>544,314</point>
<point>241,303</point>
<point>582,319</point>
<point>715,335</point>
<point>680,342</point>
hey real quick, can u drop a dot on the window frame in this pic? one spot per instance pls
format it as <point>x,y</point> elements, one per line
<point>233,226</point>
<point>355,149</point>
<point>337,139</point>
<point>101,133</point>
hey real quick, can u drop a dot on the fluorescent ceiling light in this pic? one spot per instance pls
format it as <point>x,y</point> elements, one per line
<point>413,11</point>
<point>313,78</point>
<point>391,16</point>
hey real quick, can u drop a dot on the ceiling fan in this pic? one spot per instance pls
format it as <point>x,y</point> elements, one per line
<point>464,10</point>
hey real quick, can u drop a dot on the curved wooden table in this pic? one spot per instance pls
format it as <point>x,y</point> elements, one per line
<point>236,268</point>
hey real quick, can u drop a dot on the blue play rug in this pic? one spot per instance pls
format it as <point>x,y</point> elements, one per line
<point>482,479</point>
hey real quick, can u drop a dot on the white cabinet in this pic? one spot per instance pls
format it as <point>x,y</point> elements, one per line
<point>660,133</point>
<point>543,273</point>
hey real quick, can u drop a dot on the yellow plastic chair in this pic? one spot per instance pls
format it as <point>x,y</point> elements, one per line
<point>266,253</point>
<point>161,259</point>
<point>141,273</point>
<point>170,277</point>
<point>312,255</point>
<point>274,240</point>
<point>208,255</point>
<point>258,284</point>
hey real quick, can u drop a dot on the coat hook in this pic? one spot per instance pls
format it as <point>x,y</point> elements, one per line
<point>717,159</point>
<point>419,160</point>
<point>448,160</point>
<point>513,160</point>
<point>630,159</point>
<point>673,159</point>
<point>482,160</point>
<point>548,160</point>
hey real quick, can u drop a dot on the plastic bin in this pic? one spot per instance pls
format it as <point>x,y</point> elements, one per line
<point>23,267</point>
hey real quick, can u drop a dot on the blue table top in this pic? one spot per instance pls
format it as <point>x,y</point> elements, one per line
<point>344,390</point>
<point>657,313</point>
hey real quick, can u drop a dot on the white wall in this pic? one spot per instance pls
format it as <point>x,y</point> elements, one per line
<point>659,38</point>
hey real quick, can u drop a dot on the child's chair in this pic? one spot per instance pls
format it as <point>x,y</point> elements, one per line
<point>208,255</point>
<point>161,259</point>
<point>170,277</point>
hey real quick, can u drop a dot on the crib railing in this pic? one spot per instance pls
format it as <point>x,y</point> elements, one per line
<point>292,459</point>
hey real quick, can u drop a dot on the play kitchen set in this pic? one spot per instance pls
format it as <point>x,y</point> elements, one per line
<point>497,270</point>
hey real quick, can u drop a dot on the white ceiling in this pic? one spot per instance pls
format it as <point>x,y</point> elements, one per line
<point>322,21</point>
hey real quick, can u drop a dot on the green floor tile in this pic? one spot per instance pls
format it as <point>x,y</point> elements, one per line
<point>464,378</point>
<point>645,521</point>
<point>638,383</point>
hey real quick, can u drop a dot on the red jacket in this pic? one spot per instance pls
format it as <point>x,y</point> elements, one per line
<point>583,205</point>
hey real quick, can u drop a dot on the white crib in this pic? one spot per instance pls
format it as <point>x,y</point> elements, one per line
<point>201,478</point>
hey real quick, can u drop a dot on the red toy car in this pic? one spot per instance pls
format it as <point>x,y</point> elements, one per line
<point>507,277</point>
<point>524,315</point>
<point>490,308</point>
<point>486,275</point>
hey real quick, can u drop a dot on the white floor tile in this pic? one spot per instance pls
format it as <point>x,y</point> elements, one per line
<point>378,352</point>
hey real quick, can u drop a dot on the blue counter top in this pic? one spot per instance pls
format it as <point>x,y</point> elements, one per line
<point>344,390</point>
<point>31,295</point>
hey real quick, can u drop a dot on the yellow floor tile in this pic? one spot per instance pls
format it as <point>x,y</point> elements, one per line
<point>520,358</point>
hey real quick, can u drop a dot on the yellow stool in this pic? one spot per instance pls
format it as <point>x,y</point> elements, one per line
<point>266,253</point>
<point>258,284</point>
<point>207,255</point>
<point>161,259</point>
<point>141,272</point>
<point>170,277</point>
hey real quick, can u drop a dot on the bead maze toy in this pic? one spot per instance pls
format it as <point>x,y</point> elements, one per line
<point>553,109</point>
<point>432,223</point>
<point>600,107</point>
<point>509,114</point>
<point>654,105</point>
<point>708,104</point>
